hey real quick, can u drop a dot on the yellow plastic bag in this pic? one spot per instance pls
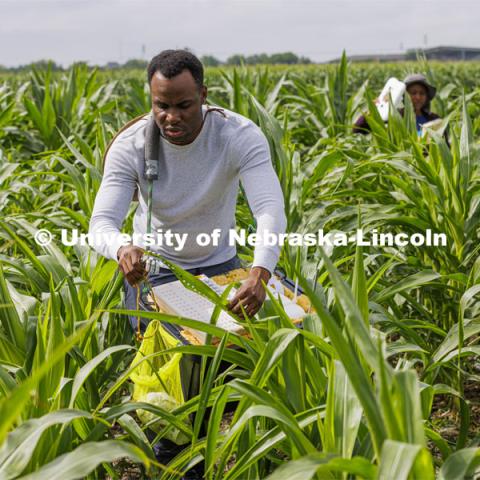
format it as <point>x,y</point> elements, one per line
<point>157,380</point>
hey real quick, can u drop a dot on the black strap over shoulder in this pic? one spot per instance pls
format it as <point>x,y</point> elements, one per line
<point>215,109</point>
<point>152,149</point>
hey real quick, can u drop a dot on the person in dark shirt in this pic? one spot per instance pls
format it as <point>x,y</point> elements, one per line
<point>421,93</point>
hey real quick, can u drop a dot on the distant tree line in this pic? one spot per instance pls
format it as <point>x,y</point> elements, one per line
<point>132,64</point>
<point>286,58</point>
<point>39,65</point>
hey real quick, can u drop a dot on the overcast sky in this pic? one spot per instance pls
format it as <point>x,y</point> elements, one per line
<point>99,31</point>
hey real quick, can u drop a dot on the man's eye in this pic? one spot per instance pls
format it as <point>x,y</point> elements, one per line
<point>163,106</point>
<point>185,105</point>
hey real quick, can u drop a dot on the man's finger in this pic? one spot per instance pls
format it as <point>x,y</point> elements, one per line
<point>233,302</point>
<point>251,309</point>
<point>137,258</point>
<point>133,278</point>
<point>139,268</point>
<point>238,307</point>
<point>250,304</point>
<point>241,310</point>
<point>135,268</point>
<point>127,262</point>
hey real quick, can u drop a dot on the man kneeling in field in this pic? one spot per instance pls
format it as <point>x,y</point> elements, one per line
<point>205,153</point>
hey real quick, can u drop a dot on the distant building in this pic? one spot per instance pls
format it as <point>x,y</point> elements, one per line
<point>447,54</point>
<point>452,53</point>
<point>380,58</point>
<point>112,65</point>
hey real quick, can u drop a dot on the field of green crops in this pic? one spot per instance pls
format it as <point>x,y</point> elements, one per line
<point>381,382</point>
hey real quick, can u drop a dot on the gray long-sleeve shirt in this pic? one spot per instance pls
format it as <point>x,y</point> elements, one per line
<point>196,191</point>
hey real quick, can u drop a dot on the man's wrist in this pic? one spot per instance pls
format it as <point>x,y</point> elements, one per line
<point>260,273</point>
<point>120,250</point>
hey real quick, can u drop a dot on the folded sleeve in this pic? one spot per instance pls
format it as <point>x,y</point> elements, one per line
<point>264,194</point>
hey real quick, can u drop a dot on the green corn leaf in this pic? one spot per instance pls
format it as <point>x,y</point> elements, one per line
<point>85,458</point>
<point>83,374</point>
<point>459,464</point>
<point>402,461</point>
<point>20,444</point>
<point>326,465</point>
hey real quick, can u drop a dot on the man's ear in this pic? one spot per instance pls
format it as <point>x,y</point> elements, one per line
<point>203,94</point>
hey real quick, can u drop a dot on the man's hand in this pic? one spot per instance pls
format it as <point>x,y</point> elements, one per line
<point>251,294</point>
<point>130,263</point>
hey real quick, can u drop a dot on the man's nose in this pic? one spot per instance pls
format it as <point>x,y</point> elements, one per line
<point>173,116</point>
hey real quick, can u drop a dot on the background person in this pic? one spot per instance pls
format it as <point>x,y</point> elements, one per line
<point>421,94</point>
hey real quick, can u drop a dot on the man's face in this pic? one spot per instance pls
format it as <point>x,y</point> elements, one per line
<point>418,94</point>
<point>177,106</point>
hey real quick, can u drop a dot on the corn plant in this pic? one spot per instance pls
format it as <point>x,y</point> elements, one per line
<point>355,392</point>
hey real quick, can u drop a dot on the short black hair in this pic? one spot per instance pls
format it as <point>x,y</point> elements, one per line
<point>171,63</point>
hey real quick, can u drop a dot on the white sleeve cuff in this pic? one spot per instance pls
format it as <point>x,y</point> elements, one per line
<point>266,259</point>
